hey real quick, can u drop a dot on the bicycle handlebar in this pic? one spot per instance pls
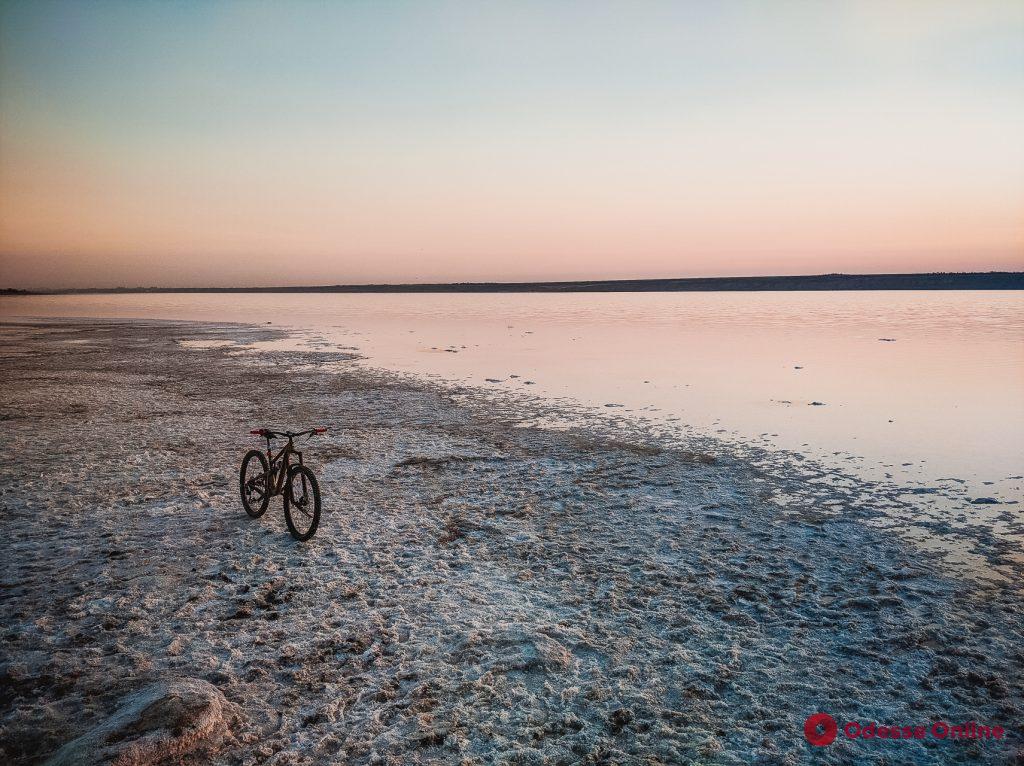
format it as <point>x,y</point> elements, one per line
<point>268,434</point>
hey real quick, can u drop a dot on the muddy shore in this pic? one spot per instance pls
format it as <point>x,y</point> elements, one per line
<point>479,592</point>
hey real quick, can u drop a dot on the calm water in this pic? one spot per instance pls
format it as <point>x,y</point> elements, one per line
<point>942,396</point>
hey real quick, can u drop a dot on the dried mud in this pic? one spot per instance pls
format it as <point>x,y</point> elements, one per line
<point>477,593</point>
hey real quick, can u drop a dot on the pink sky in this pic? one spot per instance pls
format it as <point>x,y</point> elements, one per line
<point>303,144</point>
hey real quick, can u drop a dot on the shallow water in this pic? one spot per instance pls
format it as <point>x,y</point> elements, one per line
<point>917,386</point>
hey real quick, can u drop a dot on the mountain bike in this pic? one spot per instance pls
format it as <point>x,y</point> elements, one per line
<point>265,476</point>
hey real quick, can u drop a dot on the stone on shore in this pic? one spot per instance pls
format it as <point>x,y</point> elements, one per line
<point>158,724</point>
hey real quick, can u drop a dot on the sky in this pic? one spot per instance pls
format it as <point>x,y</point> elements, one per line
<point>288,143</point>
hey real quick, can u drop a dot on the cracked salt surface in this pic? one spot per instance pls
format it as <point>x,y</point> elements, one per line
<point>480,591</point>
<point>891,488</point>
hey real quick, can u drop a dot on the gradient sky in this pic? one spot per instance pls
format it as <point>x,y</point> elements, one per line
<point>245,143</point>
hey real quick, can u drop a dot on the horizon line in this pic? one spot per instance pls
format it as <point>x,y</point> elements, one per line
<point>938,280</point>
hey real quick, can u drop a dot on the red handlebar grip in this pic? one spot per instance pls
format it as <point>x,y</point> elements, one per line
<point>257,432</point>
<point>319,430</point>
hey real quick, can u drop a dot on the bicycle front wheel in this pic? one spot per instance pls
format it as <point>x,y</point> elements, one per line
<point>302,503</point>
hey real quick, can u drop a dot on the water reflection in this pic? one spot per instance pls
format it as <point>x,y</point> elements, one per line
<point>922,387</point>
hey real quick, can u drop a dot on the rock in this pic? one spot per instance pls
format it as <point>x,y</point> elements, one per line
<point>618,719</point>
<point>984,501</point>
<point>505,650</point>
<point>817,404</point>
<point>155,725</point>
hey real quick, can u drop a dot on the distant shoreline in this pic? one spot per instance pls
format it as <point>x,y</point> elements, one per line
<point>991,280</point>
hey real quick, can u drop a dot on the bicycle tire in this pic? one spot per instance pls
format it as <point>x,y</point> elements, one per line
<point>310,492</point>
<point>253,509</point>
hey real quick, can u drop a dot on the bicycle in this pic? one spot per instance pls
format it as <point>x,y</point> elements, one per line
<point>265,476</point>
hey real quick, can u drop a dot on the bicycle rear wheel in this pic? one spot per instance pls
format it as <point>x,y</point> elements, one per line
<point>302,503</point>
<point>253,484</point>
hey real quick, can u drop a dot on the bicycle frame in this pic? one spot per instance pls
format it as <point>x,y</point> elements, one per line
<point>281,459</point>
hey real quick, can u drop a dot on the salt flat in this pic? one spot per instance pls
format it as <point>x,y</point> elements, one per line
<point>478,592</point>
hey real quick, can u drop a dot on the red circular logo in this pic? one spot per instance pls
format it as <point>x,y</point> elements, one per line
<point>820,729</point>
